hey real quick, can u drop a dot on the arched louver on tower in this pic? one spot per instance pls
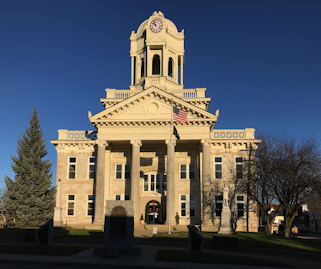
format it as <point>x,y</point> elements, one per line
<point>170,67</point>
<point>142,68</point>
<point>156,65</point>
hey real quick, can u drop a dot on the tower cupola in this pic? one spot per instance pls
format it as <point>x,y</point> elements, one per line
<point>157,54</point>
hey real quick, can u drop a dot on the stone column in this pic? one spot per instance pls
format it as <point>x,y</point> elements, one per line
<point>206,171</point>
<point>135,176</point>
<point>100,183</point>
<point>170,199</point>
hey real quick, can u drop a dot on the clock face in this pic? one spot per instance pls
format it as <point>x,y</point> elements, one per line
<point>156,25</point>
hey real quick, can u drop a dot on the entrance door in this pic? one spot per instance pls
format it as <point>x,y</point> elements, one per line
<point>153,210</point>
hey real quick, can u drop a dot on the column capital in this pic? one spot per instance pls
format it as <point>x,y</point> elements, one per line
<point>101,142</point>
<point>136,142</point>
<point>206,141</point>
<point>167,141</point>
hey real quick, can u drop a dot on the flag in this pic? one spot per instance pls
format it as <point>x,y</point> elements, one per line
<point>180,115</point>
<point>175,132</point>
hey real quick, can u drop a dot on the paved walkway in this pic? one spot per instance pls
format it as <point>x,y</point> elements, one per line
<point>88,259</point>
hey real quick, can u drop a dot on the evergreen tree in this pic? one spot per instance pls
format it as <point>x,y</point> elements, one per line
<point>29,198</point>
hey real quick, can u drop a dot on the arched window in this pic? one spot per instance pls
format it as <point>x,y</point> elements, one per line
<point>170,67</point>
<point>142,68</point>
<point>156,65</point>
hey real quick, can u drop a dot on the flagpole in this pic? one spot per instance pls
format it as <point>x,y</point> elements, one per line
<point>169,179</point>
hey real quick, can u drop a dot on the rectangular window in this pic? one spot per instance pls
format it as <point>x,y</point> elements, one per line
<point>152,182</point>
<point>145,182</point>
<point>240,206</point>
<point>72,168</point>
<point>218,167</point>
<point>122,197</point>
<point>71,205</point>
<point>183,205</point>
<point>92,167</point>
<point>122,171</point>
<point>192,205</point>
<point>183,171</point>
<point>127,197</point>
<point>187,171</point>
<point>164,182</point>
<point>188,205</point>
<point>91,205</point>
<point>191,171</point>
<point>218,205</point>
<point>239,167</point>
<point>117,197</point>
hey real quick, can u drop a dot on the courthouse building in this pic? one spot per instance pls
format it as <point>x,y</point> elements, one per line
<point>132,153</point>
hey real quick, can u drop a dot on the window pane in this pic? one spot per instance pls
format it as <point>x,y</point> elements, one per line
<point>183,209</point>
<point>152,181</point>
<point>72,171</point>
<point>240,198</point>
<point>127,197</point>
<point>239,159</point>
<point>145,182</point>
<point>183,197</point>
<point>91,197</point>
<point>90,209</point>
<point>218,159</point>
<point>72,160</point>
<point>191,171</point>
<point>183,171</point>
<point>71,197</point>
<point>164,182</point>
<point>127,171</point>
<point>92,160</point>
<point>118,171</point>
<point>117,197</point>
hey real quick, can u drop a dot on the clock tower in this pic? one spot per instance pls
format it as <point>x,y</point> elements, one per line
<point>157,54</point>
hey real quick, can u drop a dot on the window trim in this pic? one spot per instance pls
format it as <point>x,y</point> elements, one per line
<point>188,170</point>
<point>240,202</point>
<point>89,164</point>
<point>71,163</point>
<point>239,163</point>
<point>74,208</point>
<point>123,171</point>
<point>188,203</point>
<point>220,163</point>
<point>93,202</point>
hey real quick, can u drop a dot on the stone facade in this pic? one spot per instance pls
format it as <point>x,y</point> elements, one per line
<point>127,157</point>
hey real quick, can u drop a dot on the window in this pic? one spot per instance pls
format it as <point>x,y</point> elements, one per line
<point>240,205</point>
<point>188,205</point>
<point>239,167</point>
<point>218,205</point>
<point>122,171</point>
<point>170,67</point>
<point>92,167</point>
<point>155,182</point>
<point>156,65</point>
<point>71,205</point>
<point>187,171</point>
<point>122,197</point>
<point>91,205</point>
<point>72,168</point>
<point>218,167</point>
<point>142,68</point>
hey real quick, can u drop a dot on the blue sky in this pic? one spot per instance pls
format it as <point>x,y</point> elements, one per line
<point>259,60</point>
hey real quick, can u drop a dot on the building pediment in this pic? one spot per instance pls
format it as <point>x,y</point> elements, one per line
<point>151,105</point>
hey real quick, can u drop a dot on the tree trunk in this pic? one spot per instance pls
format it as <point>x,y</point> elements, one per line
<point>287,226</point>
<point>269,227</point>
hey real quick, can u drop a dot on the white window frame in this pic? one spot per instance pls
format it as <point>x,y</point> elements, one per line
<point>71,201</point>
<point>123,171</point>
<point>90,201</point>
<point>239,163</point>
<point>188,202</point>
<point>219,163</point>
<point>122,197</point>
<point>240,202</point>
<point>187,171</point>
<point>161,177</point>
<point>69,164</point>
<point>90,163</point>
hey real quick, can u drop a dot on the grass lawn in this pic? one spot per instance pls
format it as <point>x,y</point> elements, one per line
<point>183,256</point>
<point>61,250</point>
<point>257,240</point>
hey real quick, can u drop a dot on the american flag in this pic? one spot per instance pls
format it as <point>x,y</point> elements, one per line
<point>180,115</point>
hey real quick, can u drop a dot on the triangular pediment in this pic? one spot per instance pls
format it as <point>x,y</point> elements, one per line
<point>152,104</point>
